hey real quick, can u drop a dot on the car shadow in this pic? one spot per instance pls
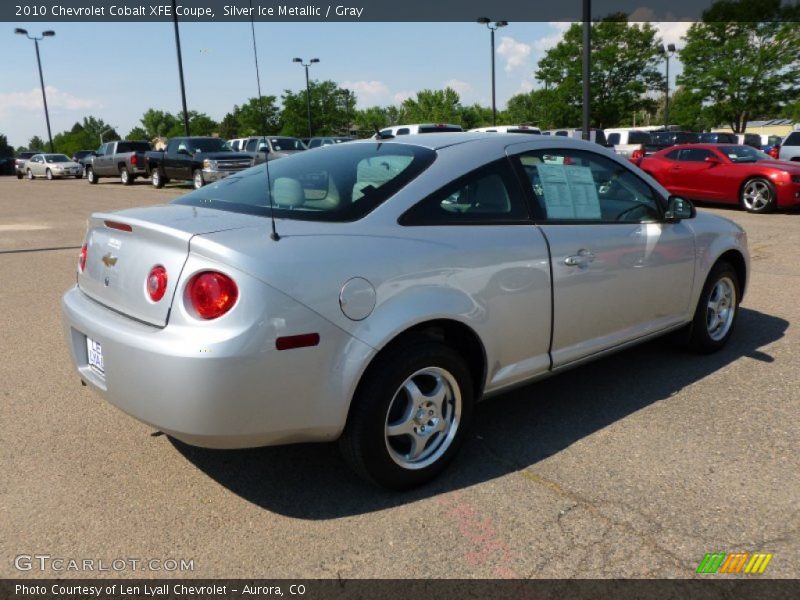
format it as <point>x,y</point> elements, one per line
<point>510,432</point>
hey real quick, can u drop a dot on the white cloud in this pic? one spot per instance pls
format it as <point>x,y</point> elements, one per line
<point>368,93</point>
<point>515,53</point>
<point>32,101</point>
<point>403,95</point>
<point>462,87</point>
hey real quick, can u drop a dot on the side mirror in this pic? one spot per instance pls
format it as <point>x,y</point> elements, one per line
<point>713,160</point>
<point>678,208</point>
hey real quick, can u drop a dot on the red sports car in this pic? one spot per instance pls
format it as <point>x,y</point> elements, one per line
<point>727,173</point>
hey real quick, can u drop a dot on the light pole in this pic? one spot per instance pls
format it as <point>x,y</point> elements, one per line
<point>492,26</point>
<point>36,40</point>
<point>668,52</point>
<point>105,131</point>
<point>180,68</point>
<point>308,89</point>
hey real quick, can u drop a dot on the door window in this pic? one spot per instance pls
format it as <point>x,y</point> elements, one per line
<point>694,155</point>
<point>577,185</point>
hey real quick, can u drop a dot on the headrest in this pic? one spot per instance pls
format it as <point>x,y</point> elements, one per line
<point>287,192</point>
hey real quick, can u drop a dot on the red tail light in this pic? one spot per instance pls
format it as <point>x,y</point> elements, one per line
<point>637,155</point>
<point>134,160</point>
<point>118,226</point>
<point>775,152</point>
<point>157,283</point>
<point>82,258</point>
<point>212,294</point>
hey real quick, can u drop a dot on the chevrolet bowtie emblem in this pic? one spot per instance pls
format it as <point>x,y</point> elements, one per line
<point>109,260</point>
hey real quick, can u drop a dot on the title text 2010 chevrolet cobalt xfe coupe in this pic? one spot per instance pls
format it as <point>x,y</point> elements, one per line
<point>407,280</point>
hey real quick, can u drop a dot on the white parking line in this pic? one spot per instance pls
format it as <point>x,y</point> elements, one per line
<point>24,227</point>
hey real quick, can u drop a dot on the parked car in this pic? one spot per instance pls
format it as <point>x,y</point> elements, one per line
<point>124,159</point>
<point>509,129</point>
<point>768,142</point>
<point>197,159</point>
<point>633,144</point>
<point>665,139</point>
<point>394,131</point>
<point>403,282</point>
<point>52,166</point>
<point>597,136</point>
<point>717,137</point>
<point>237,144</point>
<point>20,160</point>
<point>317,142</point>
<point>261,149</point>
<point>7,165</point>
<point>790,147</point>
<point>728,173</point>
<point>749,139</point>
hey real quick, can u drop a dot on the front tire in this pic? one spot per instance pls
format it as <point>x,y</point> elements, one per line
<point>90,176</point>
<point>197,179</point>
<point>716,310</point>
<point>409,415</point>
<point>19,175</point>
<point>49,175</point>
<point>758,195</point>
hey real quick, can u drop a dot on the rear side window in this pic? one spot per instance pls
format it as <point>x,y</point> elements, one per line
<point>694,155</point>
<point>403,131</point>
<point>490,194</point>
<point>344,183</point>
<point>673,155</point>
<point>613,139</point>
<point>793,139</point>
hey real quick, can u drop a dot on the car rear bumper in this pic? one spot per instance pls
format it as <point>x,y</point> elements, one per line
<point>233,391</point>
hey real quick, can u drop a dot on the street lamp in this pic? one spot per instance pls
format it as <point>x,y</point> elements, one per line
<point>105,131</point>
<point>36,41</point>
<point>308,89</point>
<point>668,52</point>
<point>493,27</point>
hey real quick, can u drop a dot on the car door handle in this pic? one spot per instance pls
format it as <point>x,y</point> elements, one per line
<point>581,259</point>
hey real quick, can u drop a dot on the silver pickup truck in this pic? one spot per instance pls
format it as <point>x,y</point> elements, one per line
<point>124,159</point>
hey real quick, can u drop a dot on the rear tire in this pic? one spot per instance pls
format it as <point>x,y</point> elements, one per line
<point>90,176</point>
<point>156,179</point>
<point>125,177</point>
<point>410,414</point>
<point>30,174</point>
<point>758,195</point>
<point>717,310</point>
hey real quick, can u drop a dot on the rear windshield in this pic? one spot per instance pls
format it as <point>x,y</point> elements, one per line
<point>438,129</point>
<point>342,184</point>
<point>133,147</point>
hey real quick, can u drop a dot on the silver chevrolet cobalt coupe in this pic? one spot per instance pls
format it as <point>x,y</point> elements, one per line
<point>398,284</point>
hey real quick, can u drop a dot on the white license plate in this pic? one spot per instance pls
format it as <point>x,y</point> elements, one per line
<point>95,352</point>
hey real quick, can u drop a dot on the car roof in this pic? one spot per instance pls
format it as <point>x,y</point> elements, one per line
<point>496,141</point>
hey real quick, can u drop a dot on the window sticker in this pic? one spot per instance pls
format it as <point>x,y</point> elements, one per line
<point>569,192</point>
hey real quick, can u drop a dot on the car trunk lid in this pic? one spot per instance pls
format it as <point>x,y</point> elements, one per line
<point>123,247</point>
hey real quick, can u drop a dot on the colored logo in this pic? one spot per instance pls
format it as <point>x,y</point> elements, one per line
<point>736,562</point>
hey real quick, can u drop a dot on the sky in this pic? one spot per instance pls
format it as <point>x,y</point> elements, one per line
<point>116,71</point>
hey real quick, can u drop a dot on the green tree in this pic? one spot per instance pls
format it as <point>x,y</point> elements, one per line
<point>229,126</point>
<point>476,115</point>
<point>158,123</point>
<point>369,119</point>
<point>742,60</point>
<point>137,133</point>
<point>5,149</point>
<point>333,110</point>
<point>432,106</point>
<point>251,119</point>
<point>36,143</point>
<point>542,108</point>
<point>625,66</point>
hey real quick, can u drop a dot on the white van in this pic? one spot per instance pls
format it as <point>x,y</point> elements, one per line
<point>509,129</point>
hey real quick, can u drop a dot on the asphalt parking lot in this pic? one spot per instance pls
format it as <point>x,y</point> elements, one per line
<point>633,466</point>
